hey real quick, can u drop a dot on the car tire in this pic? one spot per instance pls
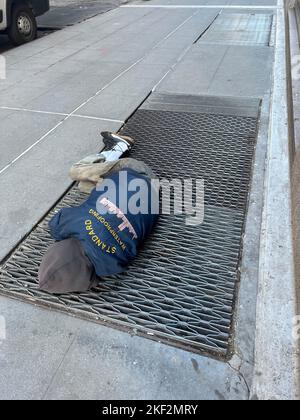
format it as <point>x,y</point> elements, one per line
<point>23,26</point>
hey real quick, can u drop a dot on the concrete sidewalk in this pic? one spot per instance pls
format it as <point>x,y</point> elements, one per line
<point>60,92</point>
<point>63,90</point>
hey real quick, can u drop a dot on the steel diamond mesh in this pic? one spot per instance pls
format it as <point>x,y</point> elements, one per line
<point>240,29</point>
<point>181,289</point>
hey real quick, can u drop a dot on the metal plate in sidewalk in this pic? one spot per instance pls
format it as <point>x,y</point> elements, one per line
<point>181,289</point>
<point>240,29</point>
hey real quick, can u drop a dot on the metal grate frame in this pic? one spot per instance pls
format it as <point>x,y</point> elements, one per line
<point>181,288</point>
<point>251,29</point>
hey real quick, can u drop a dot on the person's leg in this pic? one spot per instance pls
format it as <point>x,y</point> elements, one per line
<point>115,146</point>
<point>136,165</point>
<point>89,174</point>
<point>90,170</point>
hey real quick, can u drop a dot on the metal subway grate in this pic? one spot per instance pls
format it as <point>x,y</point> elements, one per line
<point>181,288</point>
<point>240,29</point>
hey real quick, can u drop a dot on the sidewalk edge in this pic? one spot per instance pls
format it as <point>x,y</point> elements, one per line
<point>275,349</point>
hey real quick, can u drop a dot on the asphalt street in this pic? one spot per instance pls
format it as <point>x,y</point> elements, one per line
<point>66,13</point>
<point>69,12</point>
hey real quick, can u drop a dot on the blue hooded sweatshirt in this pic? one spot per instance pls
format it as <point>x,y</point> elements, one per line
<point>113,223</point>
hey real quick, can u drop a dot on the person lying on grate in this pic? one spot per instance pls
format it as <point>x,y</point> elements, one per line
<point>102,236</point>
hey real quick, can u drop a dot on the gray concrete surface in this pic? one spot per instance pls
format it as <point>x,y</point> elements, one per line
<point>296,166</point>
<point>276,377</point>
<point>47,355</point>
<point>231,64</point>
<point>205,3</point>
<point>68,86</point>
<point>69,12</point>
<point>295,53</point>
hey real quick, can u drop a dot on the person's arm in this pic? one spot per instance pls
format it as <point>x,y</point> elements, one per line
<point>58,225</point>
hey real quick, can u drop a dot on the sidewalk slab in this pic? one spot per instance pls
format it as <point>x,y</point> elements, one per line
<point>155,44</point>
<point>66,358</point>
<point>36,342</point>
<point>113,105</point>
<point>205,3</point>
<point>20,129</point>
<point>40,179</point>
<point>223,70</point>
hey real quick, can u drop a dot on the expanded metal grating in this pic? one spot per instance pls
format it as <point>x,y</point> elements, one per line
<point>181,288</point>
<point>251,29</point>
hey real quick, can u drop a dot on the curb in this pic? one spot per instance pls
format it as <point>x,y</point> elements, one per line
<point>276,357</point>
